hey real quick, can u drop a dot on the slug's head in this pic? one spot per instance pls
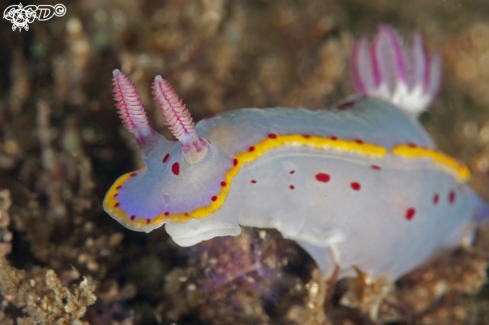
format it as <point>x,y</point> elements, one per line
<point>402,74</point>
<point>183,180</point>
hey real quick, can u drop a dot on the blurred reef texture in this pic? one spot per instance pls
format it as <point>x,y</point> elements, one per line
<point>64,261</point>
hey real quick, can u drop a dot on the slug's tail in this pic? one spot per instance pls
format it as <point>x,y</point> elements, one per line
<point>482,215</point>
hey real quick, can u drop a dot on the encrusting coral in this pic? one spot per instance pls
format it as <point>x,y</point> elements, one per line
<point>44,299</point>
<point>40,294</point>
<point>5,234</point>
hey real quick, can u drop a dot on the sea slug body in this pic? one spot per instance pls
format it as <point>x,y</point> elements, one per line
<point>359,186</point>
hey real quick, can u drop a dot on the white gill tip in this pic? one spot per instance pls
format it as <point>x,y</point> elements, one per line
<point>400,73</point>
<point>179,121</point>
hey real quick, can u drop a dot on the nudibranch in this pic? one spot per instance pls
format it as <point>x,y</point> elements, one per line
<point>359,186</point>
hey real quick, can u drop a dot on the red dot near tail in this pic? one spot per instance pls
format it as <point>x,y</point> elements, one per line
<point>356,186</point>
<point>166,158</point>
<point>272,136</point>
<point>451,197</point>
<point>175,168</point>
<point>410,213</point>
<point>436,198</point>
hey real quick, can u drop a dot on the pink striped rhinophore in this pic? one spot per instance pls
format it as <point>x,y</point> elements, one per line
<point>132,112</point>
<point>176,116</point>
<point>179,121</point>
<point>129,106</point>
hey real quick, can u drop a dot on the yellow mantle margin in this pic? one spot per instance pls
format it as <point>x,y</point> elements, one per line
<point>274,141</point>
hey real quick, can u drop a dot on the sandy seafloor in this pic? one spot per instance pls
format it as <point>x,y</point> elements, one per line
<point>63,260</point>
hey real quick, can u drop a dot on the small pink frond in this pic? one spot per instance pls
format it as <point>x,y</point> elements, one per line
<point>129,106</point>
<point>402,74</point>
<point>362,71</point>
<point>394,51</point>
<point>390,57</point>
<point>175,115</point>
<point>419,61</point>
<point>435,74</point>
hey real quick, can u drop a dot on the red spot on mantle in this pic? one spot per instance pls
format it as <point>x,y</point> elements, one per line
<point>166,158</point>
<point>358,141</point>
<point>133,217</point>
<point>167,213</point>
<point>322,177</point>
<point>148,221</point>
<point>235,162</point>
<point>410,213</point>
<point>223,184</point>
<point>214,198</point>
<point>451,197</point>
<point>291,187</point>
<point>307,136</point>
<point>133,174</point>
<point>175,168</point>
<point>334,138</point>
<point>356,186</point>
<point>116,205</point>
<point>251,149</point>
<point>375,167</point>
<point>345,105</point>
<point>292,171</point>
<point>253,181</point>
<point>118,187</point>
<point>436,198</point>
<point>272,136</point>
